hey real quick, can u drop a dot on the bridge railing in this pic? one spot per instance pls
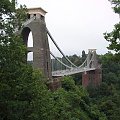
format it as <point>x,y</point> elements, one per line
<point>71,71</point>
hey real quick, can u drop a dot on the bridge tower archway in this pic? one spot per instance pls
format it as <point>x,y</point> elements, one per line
<point>40,49</point>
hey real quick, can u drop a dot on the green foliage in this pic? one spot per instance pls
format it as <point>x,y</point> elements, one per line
<point>111,69</point>
<point>114,37</point>
<point>107,95</point>
<point>21,88</point>
<point>83,56</point>
<point>80,106</point>
<point>116,4</point>
<point>6,7</point>
<point>21,14</point>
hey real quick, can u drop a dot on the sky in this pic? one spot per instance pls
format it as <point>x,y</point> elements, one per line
<point>77,25</point>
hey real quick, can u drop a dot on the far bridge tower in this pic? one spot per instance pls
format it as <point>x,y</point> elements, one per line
<point>92,78</point>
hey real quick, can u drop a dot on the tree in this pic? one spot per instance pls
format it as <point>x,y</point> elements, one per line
<point>78,104</point>
<point>83,56</point>
<point>23,93</point>
<point>107,95</point>
<point>114,37</point>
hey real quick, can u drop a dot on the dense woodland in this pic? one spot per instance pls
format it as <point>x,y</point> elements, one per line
<point>24,94</point>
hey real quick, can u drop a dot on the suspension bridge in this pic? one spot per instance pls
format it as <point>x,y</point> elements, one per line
<point>41,51</point>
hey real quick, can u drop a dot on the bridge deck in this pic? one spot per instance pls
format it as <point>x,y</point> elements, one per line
<point>70,71</point>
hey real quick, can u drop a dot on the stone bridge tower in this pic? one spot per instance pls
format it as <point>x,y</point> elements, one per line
<point>92,78</point>
<point>41,52</point>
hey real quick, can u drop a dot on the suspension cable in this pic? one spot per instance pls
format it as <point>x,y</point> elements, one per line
<point>59,48</point>
<point>84,60</point>
<point>60,61</point>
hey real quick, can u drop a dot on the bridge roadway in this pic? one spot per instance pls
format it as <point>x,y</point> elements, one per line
<point>60,73</point>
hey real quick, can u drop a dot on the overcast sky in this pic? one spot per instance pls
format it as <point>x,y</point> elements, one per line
<point>77,25</point>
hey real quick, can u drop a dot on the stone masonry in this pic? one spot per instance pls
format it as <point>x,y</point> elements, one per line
<point>40,49</point>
